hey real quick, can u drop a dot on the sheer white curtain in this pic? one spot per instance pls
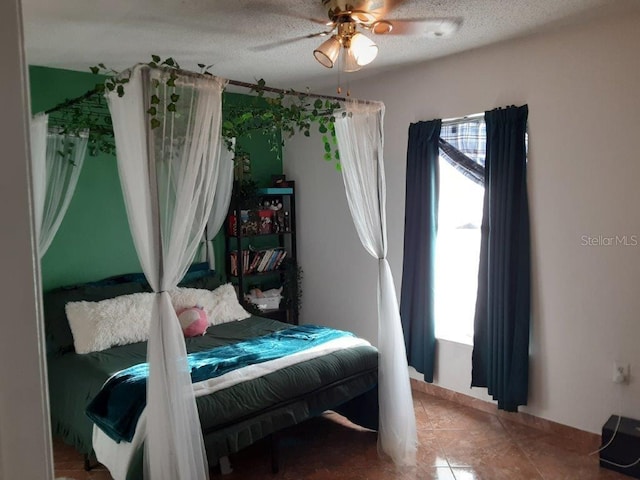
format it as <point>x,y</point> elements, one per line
<point>360,141</point>
<point>169,177</point>
<point>56,164</point>
<point>220,203</point>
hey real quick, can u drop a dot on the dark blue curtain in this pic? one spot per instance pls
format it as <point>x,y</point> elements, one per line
<point>420,225</point>
<point>500,359</point>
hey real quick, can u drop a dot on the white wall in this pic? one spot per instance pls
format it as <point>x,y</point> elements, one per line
<point>581,86</point>
<point>25,451</point>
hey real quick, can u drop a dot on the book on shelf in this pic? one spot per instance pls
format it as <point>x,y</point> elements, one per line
<point>263,260</point>
<point>258,261</point>
<point>257,256</point>
<point>233,261</point>
<point>278,256</point>
<point>273,259</point>
<point>283,254</point>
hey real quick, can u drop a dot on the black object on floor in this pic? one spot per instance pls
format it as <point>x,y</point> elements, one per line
<point>625,447</point>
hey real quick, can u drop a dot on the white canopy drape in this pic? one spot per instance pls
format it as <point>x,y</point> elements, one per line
<point>220,204</point>
<point>360,141</point>
<point>57,160</point>
<point>169,176</point>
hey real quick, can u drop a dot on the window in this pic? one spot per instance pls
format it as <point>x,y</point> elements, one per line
<point>461,199</point>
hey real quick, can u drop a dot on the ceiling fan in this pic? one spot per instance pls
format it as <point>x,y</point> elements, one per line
<point>347,20</point>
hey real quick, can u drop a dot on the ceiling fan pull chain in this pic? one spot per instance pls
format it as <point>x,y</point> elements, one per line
<point>341,60</point>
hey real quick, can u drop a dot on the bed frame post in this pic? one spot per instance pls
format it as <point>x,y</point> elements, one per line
<point>273,448</point>
<point>87,461</point>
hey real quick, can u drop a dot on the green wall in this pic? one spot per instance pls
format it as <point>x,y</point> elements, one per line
<point>94,241</point>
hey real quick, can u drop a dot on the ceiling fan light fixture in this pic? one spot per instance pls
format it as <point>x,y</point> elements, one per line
<point>363,49</point>
<point>349,61</point>
<point>327,53</point>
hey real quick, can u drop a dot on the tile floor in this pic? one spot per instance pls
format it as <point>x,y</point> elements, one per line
<point>455,443</point>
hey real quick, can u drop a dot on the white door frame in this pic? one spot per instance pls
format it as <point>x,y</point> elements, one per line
<point>25,432</point>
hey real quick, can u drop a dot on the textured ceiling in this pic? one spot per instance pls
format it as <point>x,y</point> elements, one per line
<point>234,35</point>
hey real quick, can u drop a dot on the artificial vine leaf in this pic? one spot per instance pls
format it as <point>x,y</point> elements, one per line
<point>152,111</point>
<point>120,91</point>
<point>94,70</point>
<point>175,97</point>
<point>155,123</point>
<point>171,107</point>
<point>155,100</point>
<point>155,58</point>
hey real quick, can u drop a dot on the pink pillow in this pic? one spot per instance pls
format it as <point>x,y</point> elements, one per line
<point>193,321</point>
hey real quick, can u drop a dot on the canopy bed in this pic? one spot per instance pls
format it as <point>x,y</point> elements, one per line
<point>171,175</point>
<point>343,380</point>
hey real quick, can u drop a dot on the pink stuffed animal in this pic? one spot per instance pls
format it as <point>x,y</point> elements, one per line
<point>193,321</point>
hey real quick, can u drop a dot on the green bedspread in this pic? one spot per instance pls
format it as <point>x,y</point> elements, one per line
<point>239,415</point>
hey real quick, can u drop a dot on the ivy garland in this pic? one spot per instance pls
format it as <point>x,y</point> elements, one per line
<point>277,117</point>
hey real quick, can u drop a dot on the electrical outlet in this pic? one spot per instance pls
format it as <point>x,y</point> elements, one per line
<point>621,372</point>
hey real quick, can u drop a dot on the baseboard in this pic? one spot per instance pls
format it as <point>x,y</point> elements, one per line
<point>580,438</point>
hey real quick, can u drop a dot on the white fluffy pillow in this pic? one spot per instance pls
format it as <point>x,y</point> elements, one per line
<point>116,321</point>
<point>123,320</point>
<point>220,304</point>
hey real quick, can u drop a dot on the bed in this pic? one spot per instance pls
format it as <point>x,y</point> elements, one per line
<point>232,418</point>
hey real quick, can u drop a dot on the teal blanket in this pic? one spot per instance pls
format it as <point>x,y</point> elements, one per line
<point>118,405</point>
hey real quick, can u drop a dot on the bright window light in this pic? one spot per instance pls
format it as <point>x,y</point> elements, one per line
<point>457,254</point>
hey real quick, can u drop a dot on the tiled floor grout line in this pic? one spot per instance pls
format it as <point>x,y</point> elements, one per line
<point>440,448</point>
<point>517,444</point>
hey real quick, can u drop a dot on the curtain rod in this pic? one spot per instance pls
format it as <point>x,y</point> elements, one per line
<point>237,83</point>
<point>466,119</point>
<point>253,86</point>
<point>256,87</point>
<point>73,101</point>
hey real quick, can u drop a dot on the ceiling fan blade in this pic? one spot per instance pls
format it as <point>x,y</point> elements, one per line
<point>279,9</point>
<point>279,43</point>
<point>429,27</point>
<point>382,8</point>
